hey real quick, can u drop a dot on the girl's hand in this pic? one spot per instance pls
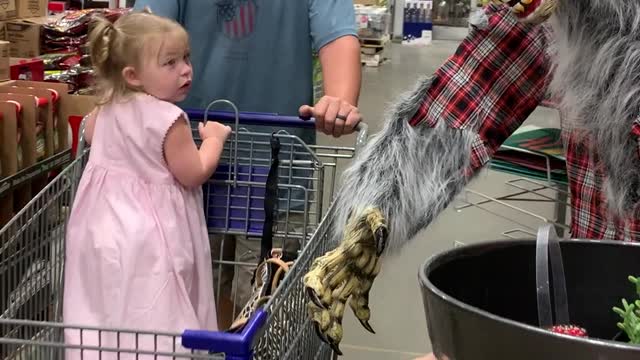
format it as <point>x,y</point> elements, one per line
<point>213,129</point>
<point>191,166</point>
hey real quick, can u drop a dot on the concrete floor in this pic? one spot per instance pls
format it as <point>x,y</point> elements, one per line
<point>403,335</point>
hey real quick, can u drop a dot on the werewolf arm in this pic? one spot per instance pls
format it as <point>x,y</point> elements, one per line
<point>435,140</point>
<point>437,136</point>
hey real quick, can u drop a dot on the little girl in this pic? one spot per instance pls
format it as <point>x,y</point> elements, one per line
<point>137,249</point>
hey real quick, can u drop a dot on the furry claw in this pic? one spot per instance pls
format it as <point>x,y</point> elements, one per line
<point>378,226</point>
<point>320,334</point>
<point>365,324</point>
<point>335,348</point>
<point>346,274</point>
<point>314,298</point>
<point>381,236</point>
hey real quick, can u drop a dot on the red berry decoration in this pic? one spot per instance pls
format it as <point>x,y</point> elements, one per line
<point>570,330</point>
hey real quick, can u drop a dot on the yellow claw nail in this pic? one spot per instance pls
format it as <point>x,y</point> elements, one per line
<point>338,310</point>
<point>338,278</point>
<point>343,292</point>
<point>371,266</point>
<point>355,250</point>
<point>321,317</point>
<point>362,261</point>
<point>519,8</point>
<point>325,320</point>
<point>335,333</point>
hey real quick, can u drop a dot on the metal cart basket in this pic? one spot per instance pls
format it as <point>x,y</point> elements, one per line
<point>32,253</point>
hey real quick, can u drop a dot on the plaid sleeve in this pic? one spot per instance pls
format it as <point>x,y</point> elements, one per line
<point>492,83</point>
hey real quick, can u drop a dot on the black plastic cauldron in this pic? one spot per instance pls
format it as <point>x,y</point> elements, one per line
<point>481,301</point>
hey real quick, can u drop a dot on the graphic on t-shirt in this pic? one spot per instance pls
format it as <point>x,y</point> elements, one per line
<point>237,17</point>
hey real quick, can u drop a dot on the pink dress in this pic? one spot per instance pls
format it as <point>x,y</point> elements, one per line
<point>137,249</point>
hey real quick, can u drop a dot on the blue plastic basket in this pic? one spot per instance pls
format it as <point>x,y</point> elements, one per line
<point>234,197</point>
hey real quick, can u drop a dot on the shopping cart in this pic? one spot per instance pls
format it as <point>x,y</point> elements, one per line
<point>32,252</point>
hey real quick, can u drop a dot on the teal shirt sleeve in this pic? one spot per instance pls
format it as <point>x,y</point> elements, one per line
<point>166,8</point>
<point>331,19</point>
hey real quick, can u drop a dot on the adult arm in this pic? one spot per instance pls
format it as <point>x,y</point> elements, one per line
<point>340,60</point>
<point>334,35</point>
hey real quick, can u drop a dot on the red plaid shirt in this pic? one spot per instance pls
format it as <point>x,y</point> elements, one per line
<point>494,81</point>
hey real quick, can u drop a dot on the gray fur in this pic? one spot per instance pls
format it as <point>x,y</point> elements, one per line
<point>413,173</point>
<point>598,79</point>
<point>409,173</point>
<point>479,19</point>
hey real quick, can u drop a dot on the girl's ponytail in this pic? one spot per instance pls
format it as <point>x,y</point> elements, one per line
<point>101,41</point>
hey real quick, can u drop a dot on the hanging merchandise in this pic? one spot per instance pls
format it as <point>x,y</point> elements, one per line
<point>373,21</point>
<point>76,23</point>
<point>451,12</point>
<point>65,50</point>
<point>418,26</point>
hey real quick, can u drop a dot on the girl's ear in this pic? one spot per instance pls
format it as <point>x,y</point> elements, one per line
<point>131,77</point>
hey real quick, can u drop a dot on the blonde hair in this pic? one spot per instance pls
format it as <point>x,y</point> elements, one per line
<point>114,46</point>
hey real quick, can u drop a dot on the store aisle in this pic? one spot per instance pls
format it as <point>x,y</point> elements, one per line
<point>396,304</point>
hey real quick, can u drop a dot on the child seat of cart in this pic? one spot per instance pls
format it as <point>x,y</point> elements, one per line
<point>274,327</point>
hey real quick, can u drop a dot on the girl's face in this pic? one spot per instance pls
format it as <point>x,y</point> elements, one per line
<point>168,75</point>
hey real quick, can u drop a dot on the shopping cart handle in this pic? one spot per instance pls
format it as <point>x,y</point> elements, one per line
<point>234,346</point>
<point>359,126</point>
<point>256,118</point>
<point>251,118</point>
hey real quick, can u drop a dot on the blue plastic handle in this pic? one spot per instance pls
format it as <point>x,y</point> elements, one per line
<point>234,346</point>
<point>254,118</point>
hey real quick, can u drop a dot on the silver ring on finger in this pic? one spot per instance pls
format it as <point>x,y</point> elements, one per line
<point>341,117</point>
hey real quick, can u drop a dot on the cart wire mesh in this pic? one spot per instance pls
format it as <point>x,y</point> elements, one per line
<point>32,261</point>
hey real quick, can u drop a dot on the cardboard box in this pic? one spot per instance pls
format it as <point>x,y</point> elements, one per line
<point>26,69</point>
<point>28,123</point>
<point>43,111</point>
<point>24,35</point>
<point>8,157</point>
<point>70,110</point>
<point>31,8</point>
<point>8,9</point>
<point>57,6</point>
<point>66,107</point>
<point>3,30</point>
<point>4,60</point>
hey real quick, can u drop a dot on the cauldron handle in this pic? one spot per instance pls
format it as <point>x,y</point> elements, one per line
<point>548,250</point>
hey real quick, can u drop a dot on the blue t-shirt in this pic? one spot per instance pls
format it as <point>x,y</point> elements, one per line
<point>257,53</point>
